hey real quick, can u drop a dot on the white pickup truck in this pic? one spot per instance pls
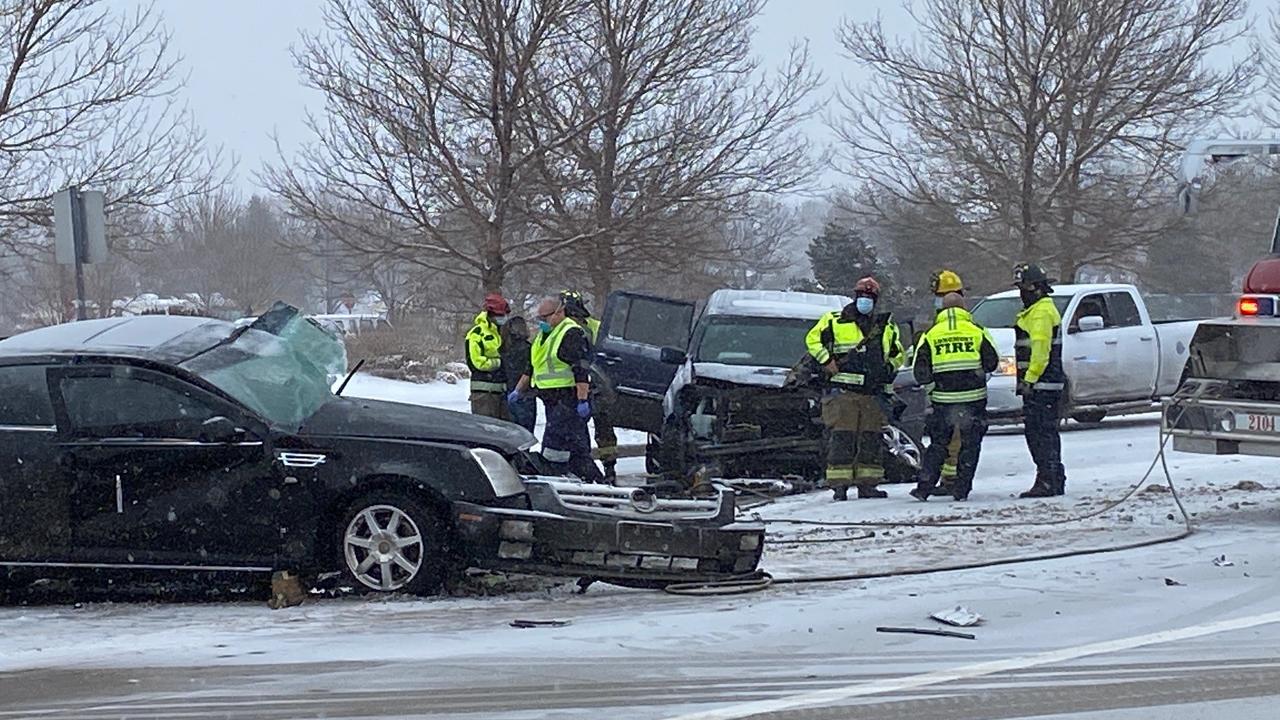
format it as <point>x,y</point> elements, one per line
<point>1117,360</point>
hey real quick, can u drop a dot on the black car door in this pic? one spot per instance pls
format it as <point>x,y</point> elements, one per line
<point>633,333</point>
<point>163,472</point>
<point>34,500</point>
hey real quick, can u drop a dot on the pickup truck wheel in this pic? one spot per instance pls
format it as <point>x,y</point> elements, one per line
<point>1089,417</point>
<point>391,543</point>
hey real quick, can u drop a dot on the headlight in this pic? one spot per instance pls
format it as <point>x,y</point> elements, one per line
<point>504,478</point>
<point>1008,366</point>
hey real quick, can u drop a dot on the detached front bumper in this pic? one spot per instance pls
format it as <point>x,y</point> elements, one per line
<point>609,533</point>
<point>1222,426</point>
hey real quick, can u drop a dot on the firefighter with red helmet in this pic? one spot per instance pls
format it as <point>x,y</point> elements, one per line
<point>860,348</point>
<point>484,359</point>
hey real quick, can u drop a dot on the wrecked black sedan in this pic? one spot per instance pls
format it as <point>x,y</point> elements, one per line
<point>188,444</point>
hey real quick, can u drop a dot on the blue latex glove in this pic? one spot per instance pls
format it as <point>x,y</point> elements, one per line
<point>513,397</point>
<point>584,409</point>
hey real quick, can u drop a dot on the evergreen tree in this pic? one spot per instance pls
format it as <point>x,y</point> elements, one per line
<point>840,256</point>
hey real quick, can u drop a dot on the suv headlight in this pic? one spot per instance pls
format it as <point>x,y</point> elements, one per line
<point>504,478</point>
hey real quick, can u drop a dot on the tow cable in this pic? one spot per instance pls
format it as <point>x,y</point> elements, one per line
<point>762,580</point>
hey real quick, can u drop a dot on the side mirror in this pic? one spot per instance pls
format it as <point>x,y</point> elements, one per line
<point>672,356</point>
<point>1089,323</point>
<point>219,430</point>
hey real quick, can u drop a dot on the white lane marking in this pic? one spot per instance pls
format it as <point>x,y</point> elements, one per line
<point>966,672</point>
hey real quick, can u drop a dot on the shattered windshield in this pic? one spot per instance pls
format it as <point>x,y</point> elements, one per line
<point>759,342</point>
<point>282,367</point>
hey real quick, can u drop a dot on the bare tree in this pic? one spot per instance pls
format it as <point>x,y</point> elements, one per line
<point>86,98</point>
<point>1048,127</point>
<point>684,124</point>
<point>233,254</point>
<point>1269,52</point>
<point>424,112</point>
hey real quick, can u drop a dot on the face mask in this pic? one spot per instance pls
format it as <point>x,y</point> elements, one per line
<point>500,320</point>
<point>865,305</point>
<point>544,326</point>
<point>937,303</point>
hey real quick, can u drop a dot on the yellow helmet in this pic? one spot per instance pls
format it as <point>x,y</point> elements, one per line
<point>946,281</point>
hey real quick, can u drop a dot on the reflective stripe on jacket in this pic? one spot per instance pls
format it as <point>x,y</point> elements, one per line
<point>484,358</point>
<point>864,366</point>
<point>549,371</point>
<point>1038,349</point>
<point>953,358</point>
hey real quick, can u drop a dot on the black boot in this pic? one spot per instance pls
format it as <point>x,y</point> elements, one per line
<point>920,494</point>
<point>1040,489</point>
<point>611,471</point>
<point>870,491</point>
<point>1060,483</point>
<point>840,493</point>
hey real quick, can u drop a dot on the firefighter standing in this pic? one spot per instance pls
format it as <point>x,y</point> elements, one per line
<point>943,283</point>
<point>861,351</point>
<point>952,360</point>
<point>560,356</point>
<point>606,439</point>
<point>1041,379</point>
<point>484,359</point>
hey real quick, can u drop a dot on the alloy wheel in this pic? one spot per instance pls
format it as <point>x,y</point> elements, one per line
<point>383,547</point>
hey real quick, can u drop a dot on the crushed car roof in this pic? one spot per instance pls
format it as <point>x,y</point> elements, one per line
<point>158,337</point>
<point>774,303</point>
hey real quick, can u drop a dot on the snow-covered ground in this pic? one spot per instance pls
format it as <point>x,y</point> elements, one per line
<point>629,653</point>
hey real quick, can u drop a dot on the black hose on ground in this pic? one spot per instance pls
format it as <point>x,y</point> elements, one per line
<point>763,580</point>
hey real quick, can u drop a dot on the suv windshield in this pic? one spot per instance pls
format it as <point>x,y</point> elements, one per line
<point>1002,312</point>
<point>762,342</point>
<point>282,367</point>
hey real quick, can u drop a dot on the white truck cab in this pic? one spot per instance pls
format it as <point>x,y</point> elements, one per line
<point>1117,360</point>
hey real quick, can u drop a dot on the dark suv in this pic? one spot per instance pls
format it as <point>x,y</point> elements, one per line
<point>176,443</point>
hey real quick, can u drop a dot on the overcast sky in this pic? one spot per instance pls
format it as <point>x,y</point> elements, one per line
<point>243,85</point>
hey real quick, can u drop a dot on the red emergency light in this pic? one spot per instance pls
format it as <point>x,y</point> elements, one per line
<point>1258,306</point>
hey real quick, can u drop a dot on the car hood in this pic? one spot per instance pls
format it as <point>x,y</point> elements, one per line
<point>762,376</point>
<point>359,418</point>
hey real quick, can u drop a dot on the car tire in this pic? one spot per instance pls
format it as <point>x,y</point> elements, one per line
<point>390,542</point>
<point>1089,417</point>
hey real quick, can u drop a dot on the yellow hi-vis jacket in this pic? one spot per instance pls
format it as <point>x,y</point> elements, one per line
<point>484,347</point>
<point>953,358</point>
<point>549,371</point>
<point>1038,331</point>
<point>862,366</point>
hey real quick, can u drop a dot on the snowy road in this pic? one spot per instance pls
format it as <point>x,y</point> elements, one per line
<point>795,651</point>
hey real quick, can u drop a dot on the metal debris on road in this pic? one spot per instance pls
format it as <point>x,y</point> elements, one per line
<point>927,631</point>
<point>959,616</point>
<point>1222,561</point>
<point>1170,582</point>
<point>523,624</point>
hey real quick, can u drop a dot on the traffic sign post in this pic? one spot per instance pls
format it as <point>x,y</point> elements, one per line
<point>80,234</point>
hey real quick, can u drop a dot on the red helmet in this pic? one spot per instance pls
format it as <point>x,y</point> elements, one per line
<point>496,304</point>
<point>867,286</point>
